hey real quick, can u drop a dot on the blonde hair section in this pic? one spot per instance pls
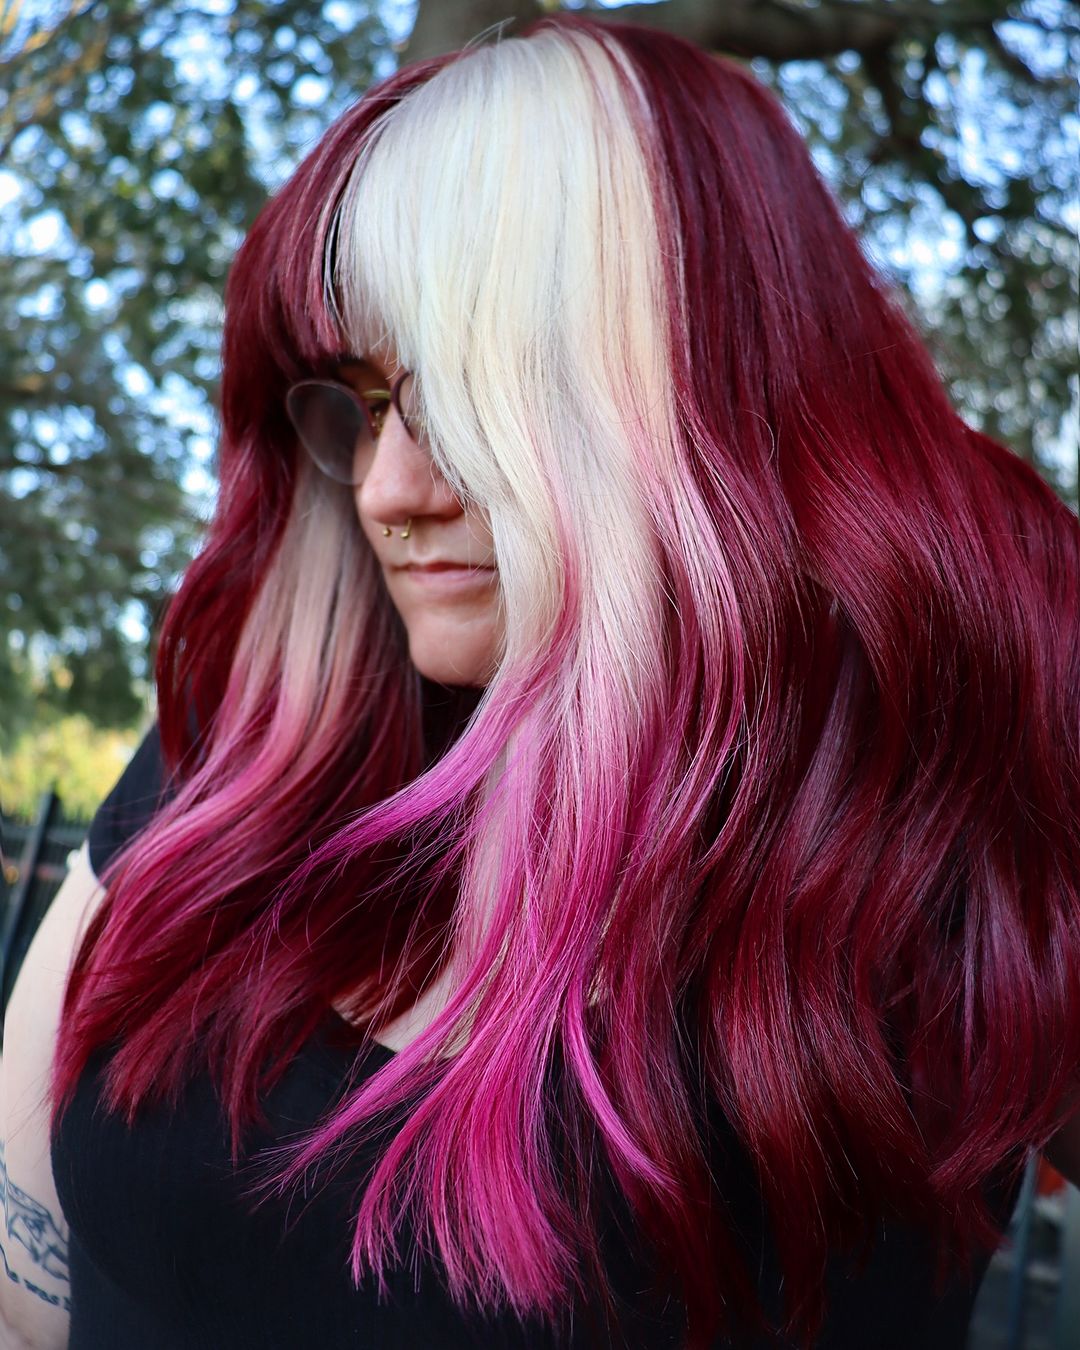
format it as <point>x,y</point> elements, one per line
<point>314,605</point>
<point>499,225</point>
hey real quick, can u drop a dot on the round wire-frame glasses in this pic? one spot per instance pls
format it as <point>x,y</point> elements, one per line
<point>335,423</point>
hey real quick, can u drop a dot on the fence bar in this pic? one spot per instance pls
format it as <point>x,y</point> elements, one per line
<point>15,918</point>
<point>1067,1330</point>
<point>1020,1255</point>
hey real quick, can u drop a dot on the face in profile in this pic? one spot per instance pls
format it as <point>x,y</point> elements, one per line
<point>451,610</point>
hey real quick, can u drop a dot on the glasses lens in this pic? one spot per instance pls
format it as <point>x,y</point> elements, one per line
<point>332,426</point>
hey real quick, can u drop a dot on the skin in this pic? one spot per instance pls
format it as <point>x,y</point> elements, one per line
<point>453,636</point>
<point>453,639</point>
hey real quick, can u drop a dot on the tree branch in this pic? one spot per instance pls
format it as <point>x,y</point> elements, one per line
<point>779,30</point>
<point>50,87</point>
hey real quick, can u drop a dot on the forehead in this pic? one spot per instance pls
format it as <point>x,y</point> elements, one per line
<point>382,353</point>
<point>378,358</point>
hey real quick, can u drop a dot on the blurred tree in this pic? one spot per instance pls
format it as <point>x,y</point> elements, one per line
<point>139,139</point>
<point>70,754</point>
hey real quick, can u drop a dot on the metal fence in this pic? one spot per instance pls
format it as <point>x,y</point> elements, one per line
<point>34,856</point>
<point>1029,1300</point>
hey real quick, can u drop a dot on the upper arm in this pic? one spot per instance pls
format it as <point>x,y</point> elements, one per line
<point>34,1289</point>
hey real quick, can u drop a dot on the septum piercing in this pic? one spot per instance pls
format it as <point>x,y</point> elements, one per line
<point>404,532</point>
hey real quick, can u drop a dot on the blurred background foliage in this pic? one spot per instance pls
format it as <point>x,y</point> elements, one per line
<point>69,750</point>
<point>138,140</point>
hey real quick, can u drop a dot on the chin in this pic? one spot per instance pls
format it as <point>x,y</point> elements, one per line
<point>454,646</point>
<point>468,668</point>
<point>442,673</point>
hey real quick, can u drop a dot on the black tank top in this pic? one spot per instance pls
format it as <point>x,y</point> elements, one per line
<point>164,1255</point>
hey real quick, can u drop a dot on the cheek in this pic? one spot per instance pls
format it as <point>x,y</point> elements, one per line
<point>372,529</point>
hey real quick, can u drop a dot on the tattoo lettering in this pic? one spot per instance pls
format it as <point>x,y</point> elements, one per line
<point>29,1223</point>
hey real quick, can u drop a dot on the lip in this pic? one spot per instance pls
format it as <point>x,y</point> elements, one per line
<point>443,564</point>
<point>447,576</point>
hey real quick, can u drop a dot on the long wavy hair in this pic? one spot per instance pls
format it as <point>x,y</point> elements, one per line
<point>773,803</point>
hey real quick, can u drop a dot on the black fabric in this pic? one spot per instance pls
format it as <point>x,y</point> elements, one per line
<point>164,1255</point>
<point>131,803</point>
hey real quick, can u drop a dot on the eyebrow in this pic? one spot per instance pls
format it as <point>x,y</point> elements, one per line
<point>352,360</point>
<point>367,359</point>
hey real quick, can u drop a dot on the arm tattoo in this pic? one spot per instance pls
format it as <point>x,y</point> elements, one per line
<point>29,1223</point>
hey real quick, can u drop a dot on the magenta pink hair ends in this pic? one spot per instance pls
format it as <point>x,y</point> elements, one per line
<point>809,860</point>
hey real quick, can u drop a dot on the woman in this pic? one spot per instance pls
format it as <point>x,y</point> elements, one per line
<point>662,932</point>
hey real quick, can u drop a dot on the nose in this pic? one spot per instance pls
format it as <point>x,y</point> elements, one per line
<point>402,479</point>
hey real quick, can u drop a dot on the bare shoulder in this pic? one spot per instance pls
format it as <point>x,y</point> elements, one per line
<point>34,1288</point>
